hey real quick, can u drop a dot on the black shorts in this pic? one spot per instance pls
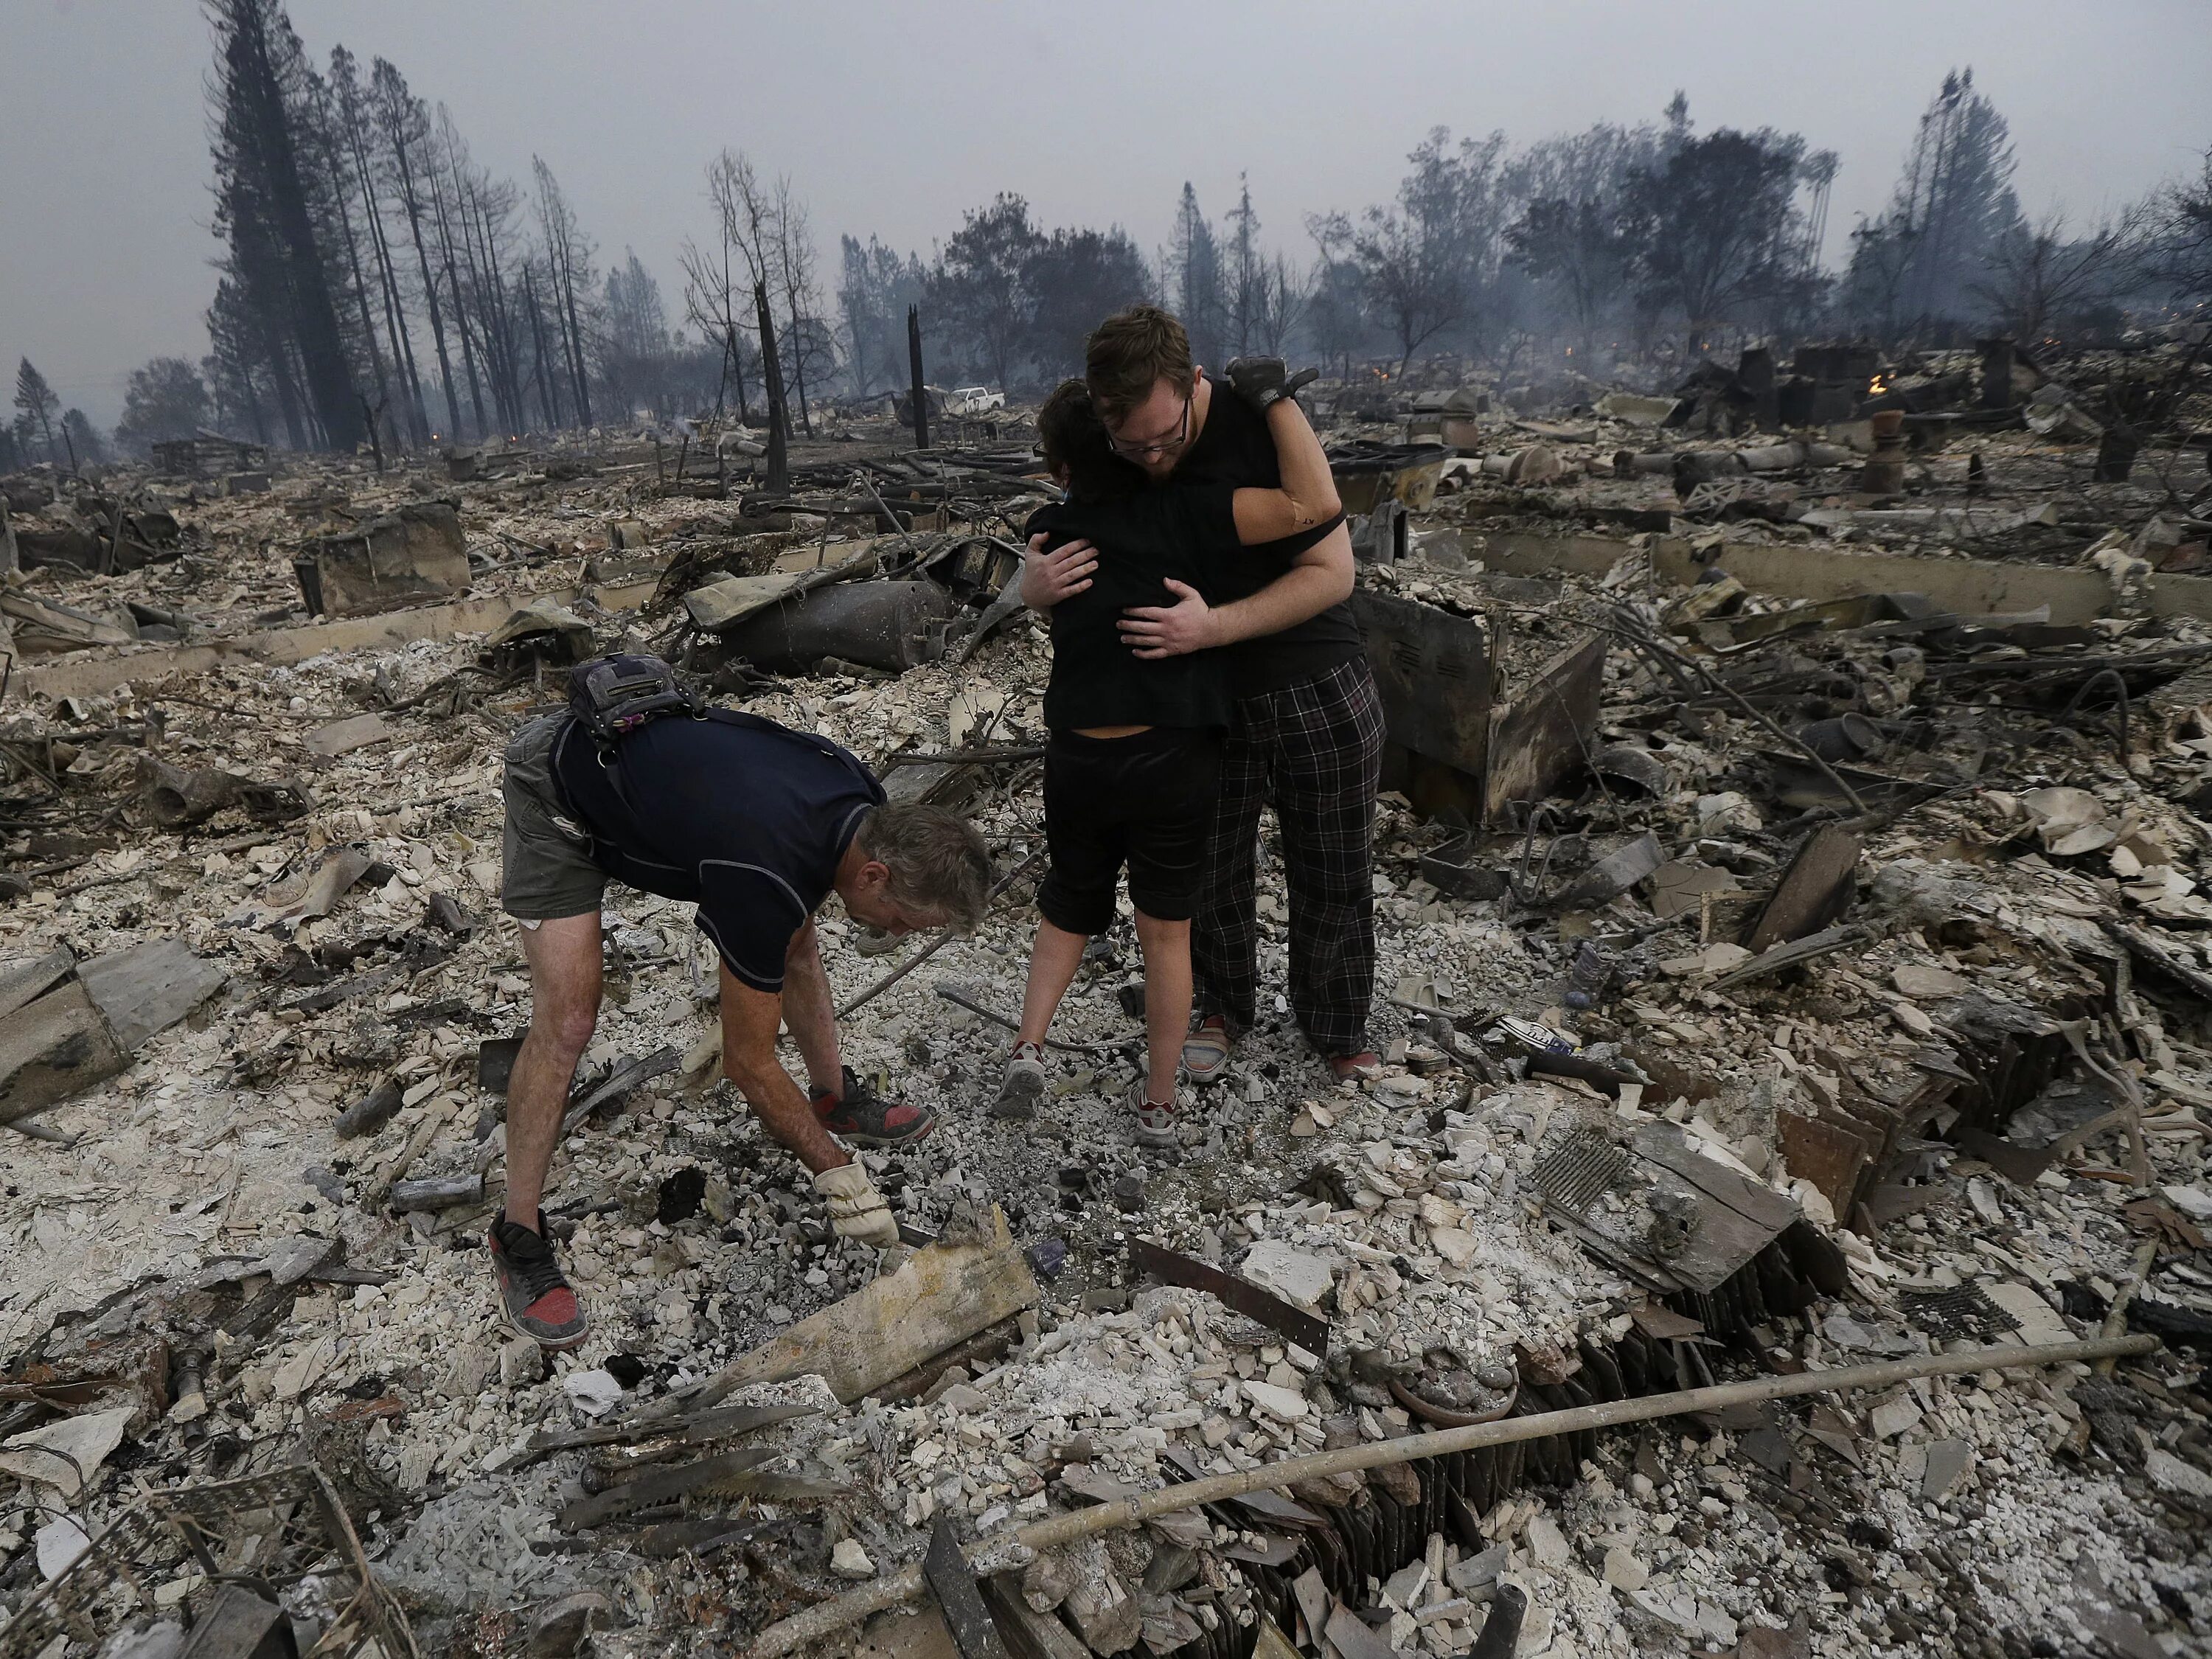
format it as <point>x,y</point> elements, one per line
<point>1146,801</point>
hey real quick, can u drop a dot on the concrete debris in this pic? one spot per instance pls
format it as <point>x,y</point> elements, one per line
<point>1793,876</point>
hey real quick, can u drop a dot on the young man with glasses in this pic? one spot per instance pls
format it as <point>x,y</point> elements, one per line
<point>1130,772</point>
<point>1306,725</point>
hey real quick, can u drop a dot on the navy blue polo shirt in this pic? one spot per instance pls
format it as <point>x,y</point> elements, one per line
<point>746,818</point>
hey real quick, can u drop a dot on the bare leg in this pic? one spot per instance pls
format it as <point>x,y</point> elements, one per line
<point>564,1004</point>
<point>1166,945</point>
<point>809,1014</point>
<point>1053,961</point>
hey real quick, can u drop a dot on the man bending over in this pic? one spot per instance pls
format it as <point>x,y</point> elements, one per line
<point>757,825</point>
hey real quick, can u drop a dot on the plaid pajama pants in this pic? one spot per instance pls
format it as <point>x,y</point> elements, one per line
<point>1314,751</point>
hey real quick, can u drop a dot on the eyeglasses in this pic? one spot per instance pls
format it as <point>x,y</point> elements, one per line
<point>1157,445</point>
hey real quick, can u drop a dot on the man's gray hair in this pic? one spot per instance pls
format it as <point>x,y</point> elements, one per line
<point>938,864</point>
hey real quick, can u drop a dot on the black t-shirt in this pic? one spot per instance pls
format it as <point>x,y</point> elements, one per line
<point>1235,448</point>
<point>742,816</point>
<point>1188,532</point>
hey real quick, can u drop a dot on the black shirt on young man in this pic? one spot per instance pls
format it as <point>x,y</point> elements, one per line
<point>1235,449</point>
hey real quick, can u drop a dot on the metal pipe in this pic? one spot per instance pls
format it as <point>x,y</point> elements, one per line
<point>801,1630</point>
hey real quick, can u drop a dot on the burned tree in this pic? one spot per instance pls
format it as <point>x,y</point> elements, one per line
<point>568,269</point>
<point>2037,276</point>
<point>1953,206</point>
<point>810,346</point>
<point>1711,228</point>
<point>1193,278</point>
<point>1577,250</point>
<point>267,197</point>
<point>1072,281</point>
<point>979,291</point>
<point>404,126</point>
<point>633,346</point>
<point>875,288</point>
<point>357,141</point>
<point>711,300</point>
<point>37,408</point>
<point>165,398</point>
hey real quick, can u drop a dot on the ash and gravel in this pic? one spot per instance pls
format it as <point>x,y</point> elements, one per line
<point>219,1141</point>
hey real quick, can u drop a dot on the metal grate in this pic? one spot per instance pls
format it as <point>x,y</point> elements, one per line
<point>1577,1167</point>
<point>1965,1311</point>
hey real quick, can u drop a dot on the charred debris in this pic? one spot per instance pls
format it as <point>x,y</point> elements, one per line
<point>1794,939</point>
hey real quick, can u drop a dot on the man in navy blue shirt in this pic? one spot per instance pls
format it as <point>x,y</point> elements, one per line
<point>756,824</point>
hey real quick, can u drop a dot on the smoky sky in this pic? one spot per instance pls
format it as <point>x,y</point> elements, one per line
<point>893,118</point>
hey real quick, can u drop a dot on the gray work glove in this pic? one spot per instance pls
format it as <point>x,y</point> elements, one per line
<point>857,1210</point>
<point>1261,382</point>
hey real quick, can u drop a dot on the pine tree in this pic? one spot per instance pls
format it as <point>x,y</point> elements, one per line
<point>1195,279</point>
<point>1246,273</point>
<point>1953,208</point>
<point>267,194</point>
<point>37,406</point>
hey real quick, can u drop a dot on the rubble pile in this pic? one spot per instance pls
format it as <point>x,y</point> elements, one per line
<point>1774,979</point>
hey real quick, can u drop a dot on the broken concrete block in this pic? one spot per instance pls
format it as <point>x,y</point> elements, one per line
<point>65,1455</point>
<point>1547,1545</point>
<point>343,737</point>
<point>1623,1570</point>
<point>416,554</point>
<point>1105,1614</point>
<point>1288,1404</point>
<point>1894,1417</point>
<point>548,627</point>
<point>1947,1461</point>
<point>558,1627</point>
<point>729,601</point>
<point>850,1561</point>
<point>59,1544</point>
<point>148,987</point>
<point>52,1046</point>
<point>1294,1275</point>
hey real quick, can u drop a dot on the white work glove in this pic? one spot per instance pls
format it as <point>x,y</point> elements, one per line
<point>857,1210</point>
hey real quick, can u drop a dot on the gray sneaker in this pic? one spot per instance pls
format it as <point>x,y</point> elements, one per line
<point>1206,1050</point>
<point>1155,1124</point>
<point>1023,1086</point>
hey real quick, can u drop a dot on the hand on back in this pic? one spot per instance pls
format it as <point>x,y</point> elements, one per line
<point>1048,578</point>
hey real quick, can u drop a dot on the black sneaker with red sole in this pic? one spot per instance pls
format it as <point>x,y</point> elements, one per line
<point>861,1117</point>
<point>532,1289</point>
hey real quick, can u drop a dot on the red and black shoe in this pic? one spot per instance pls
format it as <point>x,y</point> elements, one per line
<point>532,1289</point>
<point>861,1117</point>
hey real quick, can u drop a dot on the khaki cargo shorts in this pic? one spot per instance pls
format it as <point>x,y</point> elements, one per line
<point>545,857</point>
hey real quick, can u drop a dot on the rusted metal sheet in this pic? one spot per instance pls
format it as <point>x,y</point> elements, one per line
<point>1814,892</point>
<point>1309,1331</point>
<point>1539,734</point>
<point>1829,1155</point>
<point>1433,669</point>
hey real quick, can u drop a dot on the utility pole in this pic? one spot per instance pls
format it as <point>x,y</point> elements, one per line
<point>779,452</point>
<point>914,366</point>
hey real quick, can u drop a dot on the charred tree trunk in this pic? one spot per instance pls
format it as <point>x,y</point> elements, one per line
<point>548,394</point>
<point>444,222</point>
<point>779,420</point>
<point>921,407</point>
